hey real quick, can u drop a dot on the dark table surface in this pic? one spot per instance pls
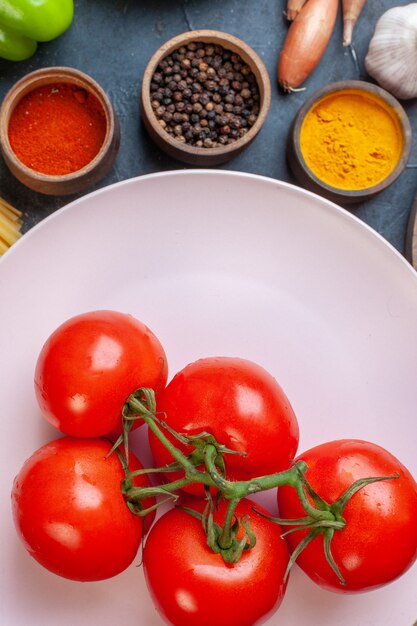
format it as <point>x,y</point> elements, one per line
<point>112,40</point>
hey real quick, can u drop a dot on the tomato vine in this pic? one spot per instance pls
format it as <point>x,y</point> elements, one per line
<point>320,517</point>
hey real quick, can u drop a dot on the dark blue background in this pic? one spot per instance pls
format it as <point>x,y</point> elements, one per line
<point>112,40</point>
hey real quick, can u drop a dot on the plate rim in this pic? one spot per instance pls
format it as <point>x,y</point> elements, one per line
<point>232,174</point>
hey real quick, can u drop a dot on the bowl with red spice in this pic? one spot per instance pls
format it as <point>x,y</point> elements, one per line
<point>205,97</point>
<point>59,133</point>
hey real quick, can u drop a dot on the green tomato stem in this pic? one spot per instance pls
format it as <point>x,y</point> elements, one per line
<point>226,537</point>
<point>141,493</point>
<point>150,421</point>
<point>231,490</point>
<point>321,518</point>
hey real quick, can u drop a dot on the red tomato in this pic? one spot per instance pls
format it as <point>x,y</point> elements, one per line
<point>239,403</point>
<point>89,366</point>
<point>70,513</point>
<point>379,542</point>
<point>190,584</point>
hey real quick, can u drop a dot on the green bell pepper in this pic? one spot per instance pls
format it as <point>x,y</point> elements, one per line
<point>25,22</point>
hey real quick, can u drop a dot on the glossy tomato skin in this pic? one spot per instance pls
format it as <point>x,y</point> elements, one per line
<point>190,584</point>
<point>69,511</point>
<point>238,402</point>
<point>88,367</point>
<point>379,542</point>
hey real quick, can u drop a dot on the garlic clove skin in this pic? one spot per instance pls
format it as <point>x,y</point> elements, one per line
<point>392,55</point>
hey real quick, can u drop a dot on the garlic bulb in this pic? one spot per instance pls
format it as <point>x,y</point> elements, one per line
<point>392,55</point>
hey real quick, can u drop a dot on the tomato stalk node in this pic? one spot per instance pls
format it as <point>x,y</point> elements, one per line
<point>232,548</point>
<point>326,520</point>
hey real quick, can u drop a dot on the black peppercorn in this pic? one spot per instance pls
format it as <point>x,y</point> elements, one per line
<point>210,85</point>
<point>177,117</point>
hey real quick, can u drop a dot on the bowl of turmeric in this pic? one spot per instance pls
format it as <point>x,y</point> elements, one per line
<point>58,131</point>
<point>349,141</point>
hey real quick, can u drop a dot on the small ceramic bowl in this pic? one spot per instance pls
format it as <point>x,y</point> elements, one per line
<point>87,175</point>
<point>186,152</point>
<point>304,171</point>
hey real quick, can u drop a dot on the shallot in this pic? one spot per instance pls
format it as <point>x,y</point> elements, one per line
<point>351,11</point>
<point>306,42</point>
<point>293,8</point>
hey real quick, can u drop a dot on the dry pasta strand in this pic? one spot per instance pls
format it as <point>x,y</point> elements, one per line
<point>3,247</point>
<point>10,210</point>
<point>10,224</point>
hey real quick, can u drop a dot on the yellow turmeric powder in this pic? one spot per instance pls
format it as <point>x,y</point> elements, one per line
<point>351,140</point>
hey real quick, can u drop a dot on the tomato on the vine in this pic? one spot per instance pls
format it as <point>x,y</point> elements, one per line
<point>88,367</point>
<point>241,405</point>
<point>70,513</point>
<point>379,541</point>
<point>190,584</point>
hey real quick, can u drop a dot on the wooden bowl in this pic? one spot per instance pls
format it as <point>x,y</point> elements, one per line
<point>411,236</point>
<point>75,181</point>
<point>195,155</point>
<point>304,174</point>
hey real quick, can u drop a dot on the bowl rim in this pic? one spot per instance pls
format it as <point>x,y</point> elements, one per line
<point>375,91</point>
<point>248,55</point>
<point>46,76</point>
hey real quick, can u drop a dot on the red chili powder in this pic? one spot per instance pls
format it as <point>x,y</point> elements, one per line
<point>57,129</point>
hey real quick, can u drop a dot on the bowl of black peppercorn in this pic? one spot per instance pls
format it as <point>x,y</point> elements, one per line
<point>205,96</point>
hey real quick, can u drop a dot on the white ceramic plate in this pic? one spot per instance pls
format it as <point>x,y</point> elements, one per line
<point>215,263</point>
